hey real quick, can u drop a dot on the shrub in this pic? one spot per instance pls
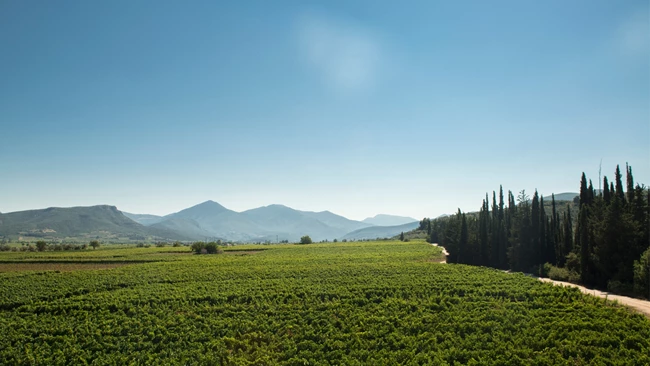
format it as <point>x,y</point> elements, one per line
<point>94,244</point>
<point>41,245</point>
<point>161,244</point>
<point>197,246</point>
<point>558,274</point>
<point>176,244</point>
<point>642,274</point>
<point>572,262</point>
<point>305,240</point>
<point>211,248</point>
<point>140,245</point>
<point>4,248</point>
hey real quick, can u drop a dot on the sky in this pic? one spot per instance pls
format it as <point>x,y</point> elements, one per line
<point>356,107</point>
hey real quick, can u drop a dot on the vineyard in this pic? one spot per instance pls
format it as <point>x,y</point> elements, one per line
<point>379,303</point>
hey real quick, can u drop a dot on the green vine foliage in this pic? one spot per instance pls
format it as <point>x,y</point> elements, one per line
<point>378,303</point>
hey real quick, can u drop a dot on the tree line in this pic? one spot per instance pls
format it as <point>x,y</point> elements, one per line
<point>602,239</point>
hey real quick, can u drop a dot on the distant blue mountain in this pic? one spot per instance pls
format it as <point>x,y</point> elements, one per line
<point>388,220</point>
<point>374,232</point>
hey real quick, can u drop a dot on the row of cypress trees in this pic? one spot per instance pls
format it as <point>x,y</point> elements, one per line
<point>600,246</point>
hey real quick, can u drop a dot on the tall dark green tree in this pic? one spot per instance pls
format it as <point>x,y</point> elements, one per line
<point>464,238</point>
<point>629,183</point>
<point>619,185</point>
<point>607,196</point>
<point>535,252</point>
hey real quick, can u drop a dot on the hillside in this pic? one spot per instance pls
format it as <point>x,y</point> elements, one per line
<point>269,223</point>
<point>388,220</point>
<point>144,219</point>
<point>566,196</point>
<point>206,221</point>
<point>210,219</point>
<point>374,232</point>
<point>104,222</point>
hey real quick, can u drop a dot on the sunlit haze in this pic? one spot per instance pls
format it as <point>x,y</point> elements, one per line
<point>356,107</point>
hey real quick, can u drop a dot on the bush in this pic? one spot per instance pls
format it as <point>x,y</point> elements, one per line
<point>305,240</point>
<point>94,244</point>
<point>197,246</point>
<point>177,244</point>
<point>562,274</point>
<point>161,245</point>
<point>41,245</point>
<point>4,248</point>
<point>642,273</point>
<point>572,262</point>
<point>211,248</point>
<point>139,245</point>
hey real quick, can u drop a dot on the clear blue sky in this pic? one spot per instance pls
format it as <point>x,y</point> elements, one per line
<point>357,107</point>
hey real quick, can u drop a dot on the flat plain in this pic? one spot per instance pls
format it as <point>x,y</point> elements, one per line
<point>380,303</point>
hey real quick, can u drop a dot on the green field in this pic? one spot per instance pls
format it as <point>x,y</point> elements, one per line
<point>348,303</point>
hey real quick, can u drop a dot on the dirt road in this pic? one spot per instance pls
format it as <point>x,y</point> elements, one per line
<point>641,306</point>
<point>444,251</point>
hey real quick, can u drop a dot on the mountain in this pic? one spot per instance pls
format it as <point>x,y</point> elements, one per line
<point>285,223</point>
<point>144,219</point>
<point>337,221</point>
<point>374,232</point>
<point>567,196</point>
<point>105,222</point>
<point>206,221</point>
<point>269,223</point>
<point>210,219</point>
<point>388,220</point>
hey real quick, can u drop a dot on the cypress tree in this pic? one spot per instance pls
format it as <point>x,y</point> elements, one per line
<point>630,183</point>
<point>607,196</point>
<point>535,252</point>
<point>584,195</point>
<point>619,185</point>
<point>543,240</point>
<point>494,232</point>
<point>583,244</point>
<point>483,228</point>
<point>568,227</point>
<point>554,234</point>
<point>463,241</point>
<point>503,239</point>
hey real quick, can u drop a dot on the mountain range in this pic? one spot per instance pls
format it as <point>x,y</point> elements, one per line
<point>103,221</point>
<point>206,221</point>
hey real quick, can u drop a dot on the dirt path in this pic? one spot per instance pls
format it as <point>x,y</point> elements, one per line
<point>641,306</point>
<point>444,251</point>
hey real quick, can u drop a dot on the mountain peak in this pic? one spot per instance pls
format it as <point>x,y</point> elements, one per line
<point>388,220</point>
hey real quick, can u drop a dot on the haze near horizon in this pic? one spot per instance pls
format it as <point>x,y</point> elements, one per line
<point>358,108</point>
